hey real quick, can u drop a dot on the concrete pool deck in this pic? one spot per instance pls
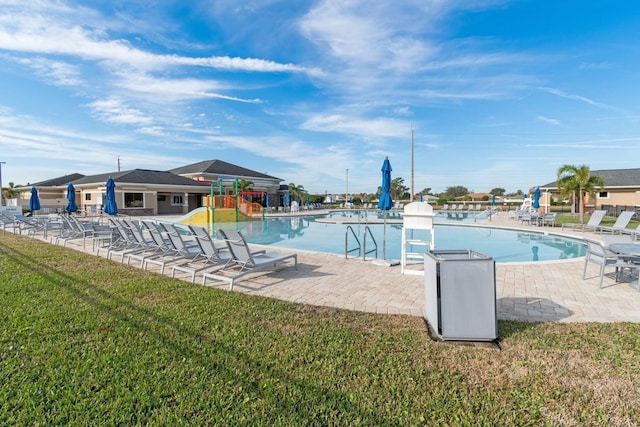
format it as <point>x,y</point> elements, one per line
<point>537,292</point>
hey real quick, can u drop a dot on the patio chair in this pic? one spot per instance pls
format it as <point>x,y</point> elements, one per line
<point>211,255</point>
<point>599,255</point>
<point>633,232</point>
<point>8,220</point>
<point>594,221</point>
<point>620,224</point>
<point>31,224</point>
<point>616,238</point>
<point>171,247</point>
<point>242,261</point>
<point>549,219</point>
<point>123,241</point>
<point>214,254</point>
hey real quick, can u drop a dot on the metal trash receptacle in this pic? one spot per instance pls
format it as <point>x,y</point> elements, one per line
<point>460,295</point>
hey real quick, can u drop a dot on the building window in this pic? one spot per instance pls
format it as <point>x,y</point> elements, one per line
<point>176,199</point>
<point>603,195</point>
<point>133,200</point>
<point>87,196</point>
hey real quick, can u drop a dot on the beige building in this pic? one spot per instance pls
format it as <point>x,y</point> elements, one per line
<point>149,192</point>
<point>621,193</point>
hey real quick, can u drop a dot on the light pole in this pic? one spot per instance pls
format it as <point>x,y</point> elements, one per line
<point>1,195</point>
<point>346,194</point>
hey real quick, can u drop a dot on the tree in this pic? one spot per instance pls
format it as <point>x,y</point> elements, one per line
<point>578,178</point>
<point>297,191</point>
<point>244,185</point>
<point>457,191</point>
<point>498,191</point>
<point>425,191</point>
<point>399,191</point>
<point>9,192</point>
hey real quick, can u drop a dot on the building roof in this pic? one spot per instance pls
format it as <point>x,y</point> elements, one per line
<point>613,178</point>
<point>218,167</point>
<point>141,176</point>
<point>61,180</point>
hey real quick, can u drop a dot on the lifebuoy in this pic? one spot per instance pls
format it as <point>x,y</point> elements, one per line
<point>527,202</point>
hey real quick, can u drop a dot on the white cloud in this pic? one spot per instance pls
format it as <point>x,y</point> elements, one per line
<point>580,98</point>
<point>374,128</point>
<point>114,111</point>
<point>23,32</point>
<point>548,120</point>
<point>57,72</point>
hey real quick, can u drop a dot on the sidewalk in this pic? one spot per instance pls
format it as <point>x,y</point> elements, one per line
<point>542,291</point>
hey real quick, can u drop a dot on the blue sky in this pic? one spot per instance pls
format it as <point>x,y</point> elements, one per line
<point>498,93</point>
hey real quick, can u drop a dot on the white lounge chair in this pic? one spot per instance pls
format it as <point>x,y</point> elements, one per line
<point>242,261</point>
<point>634,232</point>
<point>213,256</point>
<point>620,224</point>
<point>548,219</point>
<point>594,221</point>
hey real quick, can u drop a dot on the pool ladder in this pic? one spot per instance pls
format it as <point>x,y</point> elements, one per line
<point>362,249</point>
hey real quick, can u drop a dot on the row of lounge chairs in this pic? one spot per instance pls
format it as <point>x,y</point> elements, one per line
<point>189,250</point>
<point>619,227</point>
<point>461,208</point>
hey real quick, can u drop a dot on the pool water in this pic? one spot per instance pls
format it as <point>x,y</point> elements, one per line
<point>500,244</point>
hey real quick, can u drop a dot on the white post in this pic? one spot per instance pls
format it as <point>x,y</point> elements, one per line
<point>346,194</point>
<point>1,195</point>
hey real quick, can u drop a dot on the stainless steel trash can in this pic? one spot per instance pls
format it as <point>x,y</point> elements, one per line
<point>460,295</point>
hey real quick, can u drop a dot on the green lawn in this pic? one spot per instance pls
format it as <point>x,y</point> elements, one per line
<point>86,341</point>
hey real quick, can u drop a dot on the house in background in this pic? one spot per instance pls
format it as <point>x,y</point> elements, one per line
<point>622,192</point>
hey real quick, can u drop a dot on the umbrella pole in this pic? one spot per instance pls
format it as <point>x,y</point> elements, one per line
<point>384,236</point>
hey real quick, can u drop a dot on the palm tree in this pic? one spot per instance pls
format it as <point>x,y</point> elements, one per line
<point>244,185</point>
<point>9,192</point>
<point>297,191</point>
<point>572,179</point>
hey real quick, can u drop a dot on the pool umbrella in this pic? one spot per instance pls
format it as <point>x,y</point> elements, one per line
<point>493,200</point>
<point>384,202</point>
<point>266,200</point>
<point>71,199</point>
<point>34,201</point>
<point>287,199</point>
<point>536,198</point>
<point>110,207</point>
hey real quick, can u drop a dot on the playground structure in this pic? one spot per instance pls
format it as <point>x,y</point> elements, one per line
<point>225,207</point>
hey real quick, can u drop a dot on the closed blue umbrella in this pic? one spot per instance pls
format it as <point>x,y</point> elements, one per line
<point>385,202</point>
<point>493,200</point>
<point>34,201</point>
<point>267,200</point>
<point>287,199</point>
<point>536,198</point>
<point>110,207</point>
<point>71,199</point>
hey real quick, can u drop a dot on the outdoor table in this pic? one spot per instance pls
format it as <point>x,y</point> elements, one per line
<point>626,251</point>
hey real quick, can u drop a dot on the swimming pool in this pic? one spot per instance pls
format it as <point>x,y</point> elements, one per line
<point>502,245</point>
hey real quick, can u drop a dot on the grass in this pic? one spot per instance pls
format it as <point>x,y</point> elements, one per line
<point>86,341</point>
